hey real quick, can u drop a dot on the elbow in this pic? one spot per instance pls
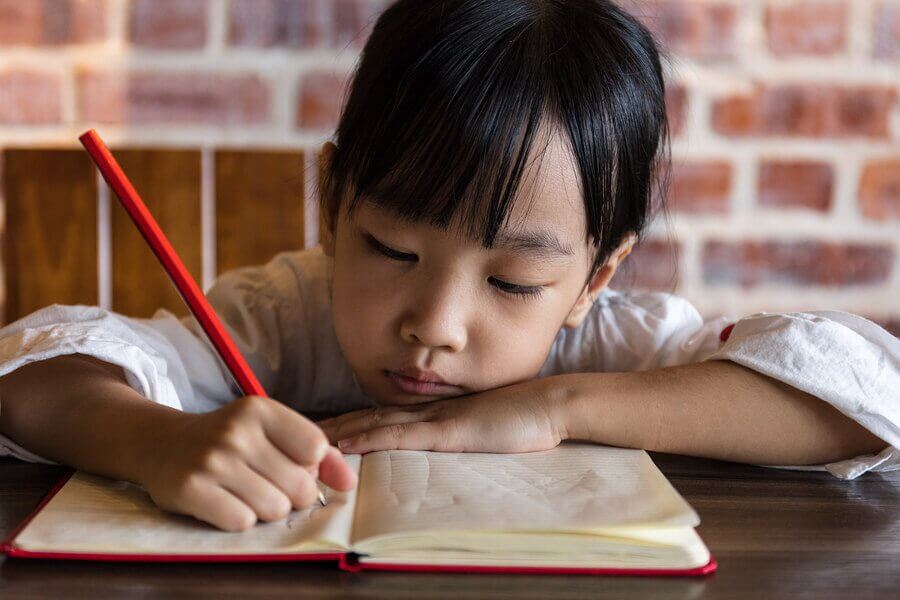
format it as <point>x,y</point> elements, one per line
<point>853,440</point>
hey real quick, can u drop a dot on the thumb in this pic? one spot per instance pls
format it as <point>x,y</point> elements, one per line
<point>335,472</point>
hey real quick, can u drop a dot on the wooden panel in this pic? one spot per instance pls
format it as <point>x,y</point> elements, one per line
<point>168,181</point>
<point>50,237</point>
<point>259,206</point>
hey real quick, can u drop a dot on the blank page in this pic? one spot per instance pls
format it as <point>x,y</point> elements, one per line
<point>573,487</point>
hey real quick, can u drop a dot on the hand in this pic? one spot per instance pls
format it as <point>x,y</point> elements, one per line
<point>252,459</point>
<point>522,417</point>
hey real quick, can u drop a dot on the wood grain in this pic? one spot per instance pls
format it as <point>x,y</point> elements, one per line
<point>259,206</point>
<point>50,234</point>
<point>169,182</point>
<point>775,533</point>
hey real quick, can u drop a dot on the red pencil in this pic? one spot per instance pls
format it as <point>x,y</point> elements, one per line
<point>176,270</point>
<point>171,262</point>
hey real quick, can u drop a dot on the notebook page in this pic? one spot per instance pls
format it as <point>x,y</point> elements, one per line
<point>575,486</point>
<point>664,548</point>
<point>96,514</point>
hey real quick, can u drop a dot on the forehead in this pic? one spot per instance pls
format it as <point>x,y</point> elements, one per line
<point>549,196</point>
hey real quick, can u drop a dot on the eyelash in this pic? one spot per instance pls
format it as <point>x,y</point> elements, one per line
<point>521,291</point>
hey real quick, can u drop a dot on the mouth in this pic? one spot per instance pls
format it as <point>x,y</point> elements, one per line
<point>411,385</point>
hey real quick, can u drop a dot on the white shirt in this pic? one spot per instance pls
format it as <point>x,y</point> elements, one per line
<point>279,315</point>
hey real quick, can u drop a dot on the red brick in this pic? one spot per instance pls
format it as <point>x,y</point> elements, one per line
<point>177,24</point>
<point>29,98</point>
<point>160,97</point>
<point>320,99</point>
<point>807,111</point>
<point>37,22</point>
<point>886,43</point>
<point>653,265</point>
<point>750,264</point>
<point>701,30</point>
<point>301,23</point>
<point>793,184</point>
<point>701,186</point>
<point>268,23</point>
<point>806,28</point>
<point>21,22</point>
<point>676,107</point>
<point>879,189</point>
<point>353,21</point>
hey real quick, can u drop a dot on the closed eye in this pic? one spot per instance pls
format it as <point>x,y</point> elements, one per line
<point>389,252</point>
<point>518,290</point>
<point>511,289</point>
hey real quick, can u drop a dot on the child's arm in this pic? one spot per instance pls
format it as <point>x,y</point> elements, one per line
<point>77,410</point>
<point>715,409</point>
<point>253,458</point>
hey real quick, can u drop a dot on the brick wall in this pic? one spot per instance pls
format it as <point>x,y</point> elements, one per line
<point>786,187</point>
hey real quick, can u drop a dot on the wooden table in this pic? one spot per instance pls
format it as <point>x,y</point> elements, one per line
<point>775,533</point>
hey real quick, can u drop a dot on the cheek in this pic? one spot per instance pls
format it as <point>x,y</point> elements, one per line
<point>360,314</point>
<point>515,351</point>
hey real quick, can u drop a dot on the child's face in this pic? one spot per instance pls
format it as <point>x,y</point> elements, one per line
<point>443,310</point>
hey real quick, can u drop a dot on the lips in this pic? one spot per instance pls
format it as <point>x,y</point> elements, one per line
<point>418,385</point>
<point>420,375</point>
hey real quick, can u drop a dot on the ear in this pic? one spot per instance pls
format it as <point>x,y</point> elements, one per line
<point>598,282</point>
<point>326,153</point>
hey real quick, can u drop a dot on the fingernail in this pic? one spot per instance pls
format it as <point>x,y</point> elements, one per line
<point>346,443</point>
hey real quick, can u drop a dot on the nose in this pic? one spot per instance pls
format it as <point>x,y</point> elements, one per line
<point>437,318</point>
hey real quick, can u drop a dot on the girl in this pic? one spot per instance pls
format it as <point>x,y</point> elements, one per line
<point>492,167</point>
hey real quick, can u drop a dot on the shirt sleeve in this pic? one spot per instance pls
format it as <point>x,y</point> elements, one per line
<point>843,359</point>
<point>167,359</point>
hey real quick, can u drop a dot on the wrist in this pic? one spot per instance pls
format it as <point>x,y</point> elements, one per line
<point>616,409</point>
<point>137,431</point>
<point>561,394</point>
<point>157,434</point>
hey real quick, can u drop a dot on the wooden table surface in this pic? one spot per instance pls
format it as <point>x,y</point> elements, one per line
<point>775,533</point>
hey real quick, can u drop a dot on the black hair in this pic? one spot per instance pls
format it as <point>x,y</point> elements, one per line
<point>448,96</point>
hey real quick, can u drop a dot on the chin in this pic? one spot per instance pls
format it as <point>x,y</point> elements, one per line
<point>409,400</point>
<point>393,398</point>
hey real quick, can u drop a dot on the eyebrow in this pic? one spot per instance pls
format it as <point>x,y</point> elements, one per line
<point>539,244</point>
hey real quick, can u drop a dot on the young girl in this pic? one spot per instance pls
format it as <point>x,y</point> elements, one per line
<point>492,168</point>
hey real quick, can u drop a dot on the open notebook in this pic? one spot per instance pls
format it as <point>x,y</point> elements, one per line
<point>577,508</point>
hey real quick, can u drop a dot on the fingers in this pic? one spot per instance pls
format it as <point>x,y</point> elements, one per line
<point>267,501</point>
<point>295,435</point>
<point>335,472</point>
<point>205,500</point>
<point>254,459</point>
<point>353,424</point>
<point>400,436</point>
<point>340,420</point>
<point>294,481</point>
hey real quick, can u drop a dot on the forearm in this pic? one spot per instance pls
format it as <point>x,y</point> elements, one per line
<point>714,409</point>
<point>80,412</point>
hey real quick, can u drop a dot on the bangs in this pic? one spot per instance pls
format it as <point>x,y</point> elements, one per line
<point>451,99</point>
<point>468,169</point>
<point>452,139</point>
